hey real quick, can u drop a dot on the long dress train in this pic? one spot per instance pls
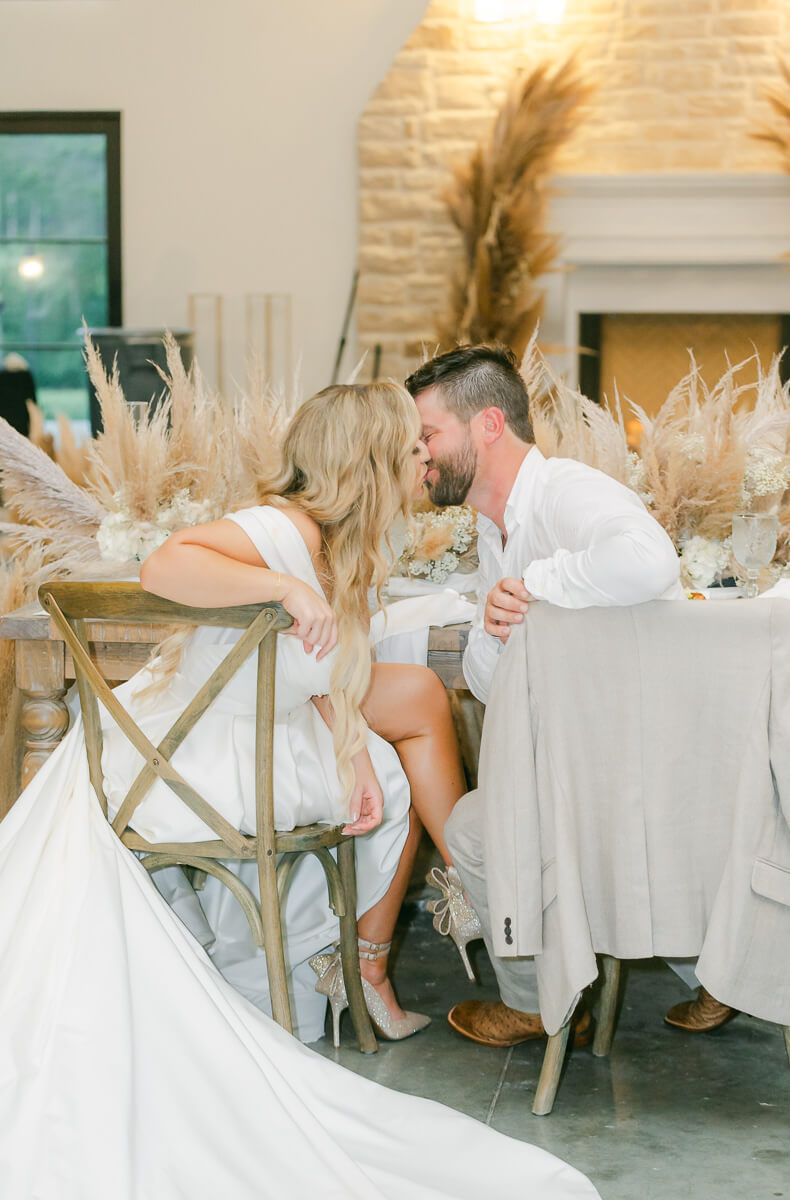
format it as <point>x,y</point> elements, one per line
<point>130,1068</point>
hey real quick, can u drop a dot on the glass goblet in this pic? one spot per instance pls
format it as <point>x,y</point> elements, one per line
<point>754,545</point>
<point>138,411</point>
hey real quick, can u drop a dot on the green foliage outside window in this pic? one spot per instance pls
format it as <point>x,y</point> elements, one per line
<point>53,206</point>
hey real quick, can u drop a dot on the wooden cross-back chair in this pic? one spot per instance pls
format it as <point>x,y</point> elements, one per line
<point>71,606</point>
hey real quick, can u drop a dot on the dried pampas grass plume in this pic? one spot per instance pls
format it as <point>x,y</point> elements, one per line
<point>38,491</point>
<point>127,455</point>
<point>567,424</point>
<point>778,97</point>
<point>497,200</point>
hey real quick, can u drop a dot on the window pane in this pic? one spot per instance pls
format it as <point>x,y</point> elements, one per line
<point>53,256</point>
<point>53,185</point>
<point>50,306</point>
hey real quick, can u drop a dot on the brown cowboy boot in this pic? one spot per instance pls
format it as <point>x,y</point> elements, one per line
<point>697,1016</point>
<point>494,1024</point>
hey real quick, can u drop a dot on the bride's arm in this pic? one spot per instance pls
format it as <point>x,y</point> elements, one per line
<point>211,566</point>
<point>217,566</point>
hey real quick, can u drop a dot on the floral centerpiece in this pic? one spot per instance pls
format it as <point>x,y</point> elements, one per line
<point>440,543</point>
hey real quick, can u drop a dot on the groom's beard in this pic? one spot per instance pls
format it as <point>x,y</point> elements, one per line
<point>455,476</point>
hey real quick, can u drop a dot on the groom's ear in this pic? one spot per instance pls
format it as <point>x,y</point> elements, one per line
<point>491,425</point>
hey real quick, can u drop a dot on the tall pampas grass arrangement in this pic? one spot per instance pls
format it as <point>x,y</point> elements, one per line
<point>709,452</point>
<point>192,458</point>
<point>497,201</point>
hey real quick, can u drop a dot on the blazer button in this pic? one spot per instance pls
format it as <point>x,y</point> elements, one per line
<point>508,940</point>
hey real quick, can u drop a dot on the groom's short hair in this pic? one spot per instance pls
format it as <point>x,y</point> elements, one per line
<point>472,378</point>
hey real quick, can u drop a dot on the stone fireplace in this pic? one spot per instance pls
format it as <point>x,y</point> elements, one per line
<point>655,264</point>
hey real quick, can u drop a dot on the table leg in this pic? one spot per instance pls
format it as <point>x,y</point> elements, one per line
<point>40,677</point>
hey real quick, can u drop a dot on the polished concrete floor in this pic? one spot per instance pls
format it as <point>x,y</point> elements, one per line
<point>668,1115</point>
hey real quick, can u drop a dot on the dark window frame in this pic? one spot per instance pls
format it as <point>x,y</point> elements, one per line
<point>109,124</point>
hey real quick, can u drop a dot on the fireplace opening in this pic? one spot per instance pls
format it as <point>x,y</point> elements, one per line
<point>646,354</point>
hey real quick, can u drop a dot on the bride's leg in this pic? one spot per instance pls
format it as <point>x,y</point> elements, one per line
<point>378,923</point>
<point>408,707</point>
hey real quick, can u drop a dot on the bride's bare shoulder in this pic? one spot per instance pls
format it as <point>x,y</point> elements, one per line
<point>309,528</point>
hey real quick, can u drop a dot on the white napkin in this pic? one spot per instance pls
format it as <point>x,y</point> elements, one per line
<point>400,631</point>
<point>407,585</point>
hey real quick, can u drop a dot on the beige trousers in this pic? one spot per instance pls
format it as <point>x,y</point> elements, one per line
<point>516,977</point>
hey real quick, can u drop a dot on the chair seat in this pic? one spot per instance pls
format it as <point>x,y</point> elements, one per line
<point>291,841</point>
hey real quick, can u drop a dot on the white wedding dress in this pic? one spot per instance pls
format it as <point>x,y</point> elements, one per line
<point>218,758</point>
<point>129,1067</point>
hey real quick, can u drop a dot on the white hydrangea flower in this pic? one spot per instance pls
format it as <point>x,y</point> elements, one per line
<point>703,561</point>
<point>115,544</point>
<point>121,539</point>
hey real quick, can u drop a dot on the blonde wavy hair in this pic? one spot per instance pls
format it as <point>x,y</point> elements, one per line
<point>347,460</point>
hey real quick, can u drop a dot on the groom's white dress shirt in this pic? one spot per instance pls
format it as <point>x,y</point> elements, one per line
<point>578,539</point>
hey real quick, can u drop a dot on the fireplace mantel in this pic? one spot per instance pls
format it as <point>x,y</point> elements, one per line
<point>680,242</point>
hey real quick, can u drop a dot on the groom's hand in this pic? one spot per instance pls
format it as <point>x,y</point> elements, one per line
<point>506,605</point>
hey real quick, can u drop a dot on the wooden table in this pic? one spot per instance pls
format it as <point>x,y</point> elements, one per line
<point>44,669</point>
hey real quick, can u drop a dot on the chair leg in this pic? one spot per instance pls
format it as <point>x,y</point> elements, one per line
<point>349,951</point>
<point>549,1080</point>
<point>602,1042</point>
<point>273,943</point>
<point>787,1042</point>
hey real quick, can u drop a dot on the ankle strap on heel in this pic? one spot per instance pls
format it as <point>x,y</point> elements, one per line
<point>373,950</point>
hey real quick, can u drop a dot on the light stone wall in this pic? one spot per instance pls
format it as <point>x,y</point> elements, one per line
<point>680,86</point>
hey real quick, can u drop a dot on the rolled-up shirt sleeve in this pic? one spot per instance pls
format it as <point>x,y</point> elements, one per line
<point>623,557</point>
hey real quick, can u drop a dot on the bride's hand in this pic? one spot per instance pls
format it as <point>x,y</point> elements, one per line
<point>315,623</point>
<point>367,800</point>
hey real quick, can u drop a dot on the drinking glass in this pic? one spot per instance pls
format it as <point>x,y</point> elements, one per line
<point>754,545</point>
<point>138,410</point>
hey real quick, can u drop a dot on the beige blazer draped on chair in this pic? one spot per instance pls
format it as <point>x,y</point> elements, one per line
<point>635,778</point>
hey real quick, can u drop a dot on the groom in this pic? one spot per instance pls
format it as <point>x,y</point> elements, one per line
<point>551,530</point>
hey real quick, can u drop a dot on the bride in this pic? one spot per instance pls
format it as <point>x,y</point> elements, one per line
<point>128,1065</point>
<point>314,544</point>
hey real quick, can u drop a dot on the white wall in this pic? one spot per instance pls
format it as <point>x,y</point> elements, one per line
<point>238,134</point>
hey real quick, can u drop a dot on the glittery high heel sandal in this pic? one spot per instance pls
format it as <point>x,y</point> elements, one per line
<point>453,915</point>
<point>331,984</point>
